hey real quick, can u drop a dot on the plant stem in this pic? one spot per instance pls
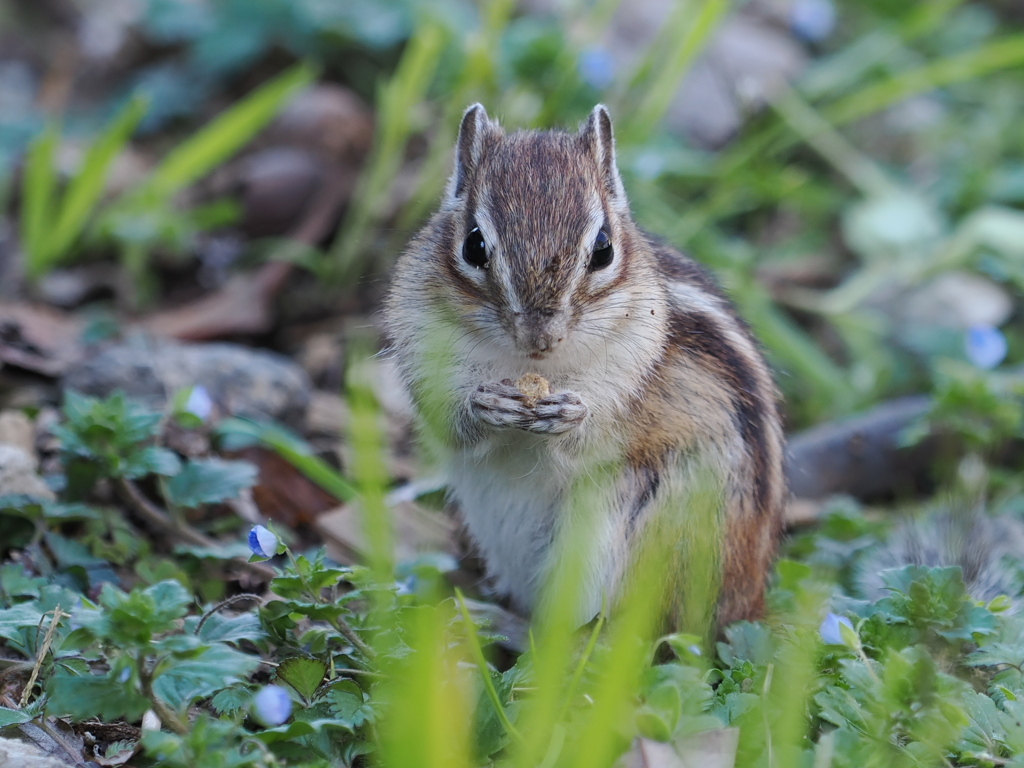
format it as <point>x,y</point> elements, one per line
<point>225,604</point>
<point>158,518</point>
<point>485,673</point>
<point>353,638</point>
<point>166,714</point>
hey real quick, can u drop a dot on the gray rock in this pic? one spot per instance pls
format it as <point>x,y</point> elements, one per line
<point>239,380</point>
<point>18,754</point>
<point>18,475</point>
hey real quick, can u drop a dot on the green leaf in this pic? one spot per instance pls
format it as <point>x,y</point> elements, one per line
<point>229,629</point>
<point>13,620</point>
<point>57,511</point>
<point>232,700</point>
<point>13,717</point>
<point>196,675</point>
<point>651,725</point>
<point>747,641</point>
<point>208,481</point>
<point>294,730</point>
<point>158,461</point>
<point>15,582</point>
<point>349,704</point>
<point>69,552</point>
<point>113,435</point>
<point>839,707</point>
<point>225,135</point>
<point>92,696</point>
<point>302,674</point>
<point>131,620</point>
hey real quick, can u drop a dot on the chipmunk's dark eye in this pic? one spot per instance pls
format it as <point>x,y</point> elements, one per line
<point>474,250</point>
<point>603,253</point>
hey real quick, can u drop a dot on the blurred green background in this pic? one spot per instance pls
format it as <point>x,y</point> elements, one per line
<point>853,172</point>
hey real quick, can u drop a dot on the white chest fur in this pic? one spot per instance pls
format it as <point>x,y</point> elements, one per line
<point>513,488</point>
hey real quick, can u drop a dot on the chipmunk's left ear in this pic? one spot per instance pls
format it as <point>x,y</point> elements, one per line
<point>596,134</point>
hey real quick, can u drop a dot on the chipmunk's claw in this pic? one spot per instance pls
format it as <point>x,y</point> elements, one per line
<point>502,405</point>
<point>558,413</point>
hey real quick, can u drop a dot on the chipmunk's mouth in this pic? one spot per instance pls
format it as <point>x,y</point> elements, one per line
<point>538,355</point>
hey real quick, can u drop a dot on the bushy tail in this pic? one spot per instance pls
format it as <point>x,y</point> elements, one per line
<point>989,550</point>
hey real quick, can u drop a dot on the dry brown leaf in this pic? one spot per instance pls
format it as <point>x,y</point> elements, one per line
<point>245,305</point>
<point>284,494</point>
<point>38,338</point>
<point>416,530</point>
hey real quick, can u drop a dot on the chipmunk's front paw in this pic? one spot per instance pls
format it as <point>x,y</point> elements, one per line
<point>558,413</point>
<point>500,405</point>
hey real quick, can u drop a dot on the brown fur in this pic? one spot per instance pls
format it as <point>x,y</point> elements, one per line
<point>692,385</point>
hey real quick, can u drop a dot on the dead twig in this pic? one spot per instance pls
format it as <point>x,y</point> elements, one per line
<point>58,614</point>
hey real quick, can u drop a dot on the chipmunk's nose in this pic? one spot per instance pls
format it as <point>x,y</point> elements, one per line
<point>538,333</point>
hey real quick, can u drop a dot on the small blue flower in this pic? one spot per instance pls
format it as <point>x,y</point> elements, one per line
<point>273,705</point>
<point>985,346</point>
<point>812,20</point>
<point>596,67</point>
<point>263,542</point>
<point>829,629</point>
<point>199,403</point>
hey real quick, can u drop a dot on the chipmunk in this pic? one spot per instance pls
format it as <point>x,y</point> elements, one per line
<point>533,267</point>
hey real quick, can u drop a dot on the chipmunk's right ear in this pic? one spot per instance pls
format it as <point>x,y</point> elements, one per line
<point>596,134</point>
<point>473,133</point>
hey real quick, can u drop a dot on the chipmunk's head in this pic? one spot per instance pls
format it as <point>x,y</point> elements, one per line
<point>541,236</point>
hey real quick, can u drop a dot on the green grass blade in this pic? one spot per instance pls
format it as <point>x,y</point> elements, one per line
<point>668,69</point>
<point>477,80</point>
<point>584,23</point>
<point>395,106</point>
<point>481,664</point>
<point>774,139</point>
<point>37,203</point>
<point>848,67</point>
<point>231,130</point>
<point>425,704</point>
<point>557,616</point>
<point>1000,54</point>
<point>368,467</point>
<point>293,450</point>
<point>85,190</point>
<point>861,171</point>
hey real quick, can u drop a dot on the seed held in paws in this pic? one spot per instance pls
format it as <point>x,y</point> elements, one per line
<point>534,387</point>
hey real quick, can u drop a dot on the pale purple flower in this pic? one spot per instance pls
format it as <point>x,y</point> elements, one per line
<point>273,705</point>
<point>812,20</point>
<point>830,631</point>
<point>263,542</point>
<point>199,403</point>
<point>596,67</point>
<point>985,346</point>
